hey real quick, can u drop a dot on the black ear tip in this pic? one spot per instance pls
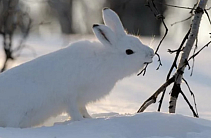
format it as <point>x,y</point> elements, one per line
<point>106,8</point>
<point>95,25</point>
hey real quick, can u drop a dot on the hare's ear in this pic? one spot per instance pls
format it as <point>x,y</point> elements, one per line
<point>104,34</point>
<point>111,19</point>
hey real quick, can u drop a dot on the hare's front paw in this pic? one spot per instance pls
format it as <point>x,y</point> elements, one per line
<point>77,117</point>
<point>84,112</point>
<point>74,112</point>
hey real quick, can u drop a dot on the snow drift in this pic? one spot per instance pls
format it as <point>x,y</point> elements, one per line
<point>144,125</point>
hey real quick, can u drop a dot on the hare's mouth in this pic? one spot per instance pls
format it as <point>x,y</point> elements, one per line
<point>148,61</point>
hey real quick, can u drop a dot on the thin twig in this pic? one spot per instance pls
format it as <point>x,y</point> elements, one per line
<point>188,18</point>
<point>161,18</point>
<point>143,70</point>
<point>208,9</point>
<point>174,6</point>
<point>207,16</point>
<point>186,63</point>
<point>182,20</point>
<point>174,64</point>
<point>161,100</point>
<point>164,36</point>
<point>153,98</point>
<point>191,107</point>
<point>159,61</point>
<point>194,55</point>
<point>192,94</point>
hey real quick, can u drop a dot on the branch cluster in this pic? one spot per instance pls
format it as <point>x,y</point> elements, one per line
<point>183,50</point>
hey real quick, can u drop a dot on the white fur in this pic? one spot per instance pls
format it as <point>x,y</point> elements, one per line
<point>70,78</point>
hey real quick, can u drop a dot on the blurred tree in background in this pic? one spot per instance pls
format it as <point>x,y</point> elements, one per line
<point>77,16</point>
<point>137,17</point>
<point>63,10</point>
<point>13,17</point>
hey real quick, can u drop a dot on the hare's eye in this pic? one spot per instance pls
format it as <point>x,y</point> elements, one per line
<point>129,51</point>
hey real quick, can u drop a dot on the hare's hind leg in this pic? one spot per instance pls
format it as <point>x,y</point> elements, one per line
<point>84,112</point>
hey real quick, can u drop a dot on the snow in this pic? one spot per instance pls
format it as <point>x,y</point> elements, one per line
<point>114,116</point>
<point>144,125</point>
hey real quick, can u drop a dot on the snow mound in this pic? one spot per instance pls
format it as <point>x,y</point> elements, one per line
<point>144,125</point>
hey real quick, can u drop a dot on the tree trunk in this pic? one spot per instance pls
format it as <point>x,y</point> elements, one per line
<point>64,14</point>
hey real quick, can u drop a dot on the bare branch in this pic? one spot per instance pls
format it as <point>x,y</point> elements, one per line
<point>207,16</point>
<point>188,18</point>
<point>194,55</point>
<point>186,62</point>
<point>143,70</point>
<point>182,20</point>
<point>174,64</point>
<point>153,98</point>
<point>164,36</point>
<point>159,61</point>
<point>192,94</point>
<point>208,8</point>
<point>175,6</point>
<point>191,107</point>
<point>161,18</point>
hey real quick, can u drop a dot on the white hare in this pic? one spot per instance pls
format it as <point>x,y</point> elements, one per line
<point>70,78</point>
